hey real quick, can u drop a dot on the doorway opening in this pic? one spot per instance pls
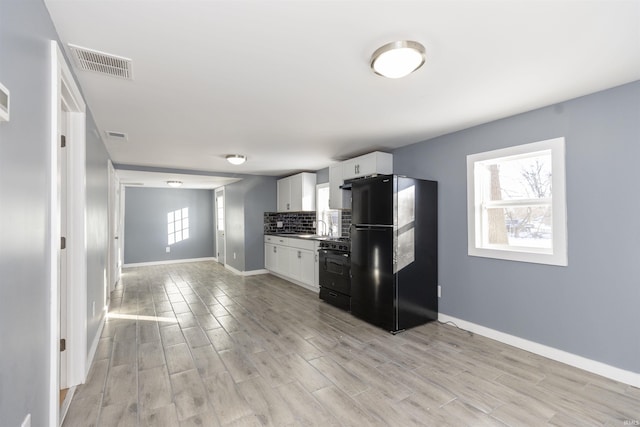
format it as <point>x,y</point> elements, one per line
<point>220,225</point>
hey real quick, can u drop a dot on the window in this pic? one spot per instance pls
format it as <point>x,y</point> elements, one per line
<point>516,203</point>
<point>178,225</point>
<point>328,221</point>
<point>220,215</point>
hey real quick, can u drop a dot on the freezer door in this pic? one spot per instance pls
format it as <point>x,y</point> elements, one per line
<point>372,200</point>
<point>373,291</point>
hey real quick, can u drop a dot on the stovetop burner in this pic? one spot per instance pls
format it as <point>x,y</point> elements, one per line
<point>342,244</point>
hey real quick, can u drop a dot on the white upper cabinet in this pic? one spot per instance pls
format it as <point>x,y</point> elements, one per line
<point>338,199</point>
<point>369,164</point>
<point>297,193</point>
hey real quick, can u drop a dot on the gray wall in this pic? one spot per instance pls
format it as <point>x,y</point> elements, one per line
<point>246,202</point>
<point>25,34</point>
<point>589,308</point>
<point>322,176</point>
<point>97,223</point>
<point>145,224</point>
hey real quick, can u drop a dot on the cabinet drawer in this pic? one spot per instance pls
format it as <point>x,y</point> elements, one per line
<point>335,298</point>
<point>302,244</point>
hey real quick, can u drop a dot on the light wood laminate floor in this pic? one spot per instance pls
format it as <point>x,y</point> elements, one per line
<point>195,345</point>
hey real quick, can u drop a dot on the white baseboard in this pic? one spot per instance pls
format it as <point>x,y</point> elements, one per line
<point>245,273</point>
<point>312,288</point>
<point>64,408</point>
<point>169,261</point>
<point>599,368</point>
<point>94,346</point>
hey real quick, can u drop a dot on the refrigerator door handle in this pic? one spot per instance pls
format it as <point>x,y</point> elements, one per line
<point>373,227</point>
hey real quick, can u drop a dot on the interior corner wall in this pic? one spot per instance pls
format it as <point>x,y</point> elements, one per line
<point>590,307</point>
<point>246,201</point>
<point>145,224</point>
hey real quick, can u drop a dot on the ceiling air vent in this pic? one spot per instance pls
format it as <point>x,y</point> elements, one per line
<point>100,62</point>
<point>116,136</point>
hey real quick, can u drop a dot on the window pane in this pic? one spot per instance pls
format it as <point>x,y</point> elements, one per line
<point>521,226</point>
<point>520,178</point>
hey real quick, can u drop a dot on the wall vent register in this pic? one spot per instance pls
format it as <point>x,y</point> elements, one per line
<point>101,62</point>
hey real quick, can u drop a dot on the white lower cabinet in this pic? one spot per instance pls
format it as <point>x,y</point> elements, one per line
<point>302,266</point>
<point>293,259</point>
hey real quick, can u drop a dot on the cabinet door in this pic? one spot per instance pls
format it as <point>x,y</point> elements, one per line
<point>295,202</point>
<point>349,169</point>
<point>307,267</point>
<point>316,268</point>
<point>270,257</point>
<point>366,165</point>
<point>284,195</point>
<point>283,255</point>
<point>302,266</point>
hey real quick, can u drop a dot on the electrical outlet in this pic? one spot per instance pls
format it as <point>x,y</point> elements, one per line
<point>439,291</point>
<point>279,224</point>
<point>27,421</point>
<point>168,249</point>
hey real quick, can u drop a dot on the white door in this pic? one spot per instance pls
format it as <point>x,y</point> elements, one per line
<point>220,226</point>
<point>114,230</point>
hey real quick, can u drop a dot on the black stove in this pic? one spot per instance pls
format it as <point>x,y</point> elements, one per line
<point>335,271</point>
<point>338,244</point>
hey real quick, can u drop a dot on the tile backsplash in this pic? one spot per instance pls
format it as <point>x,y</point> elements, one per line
<point>299,222</point>
<point>346,222</point>
<point>291,222</point>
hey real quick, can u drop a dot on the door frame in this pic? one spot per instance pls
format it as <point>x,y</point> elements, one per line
<point>114,255</point>
<point>64,89</point>
<point>215,225</point>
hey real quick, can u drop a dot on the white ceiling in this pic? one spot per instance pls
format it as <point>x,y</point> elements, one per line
<point>134,178</point>
<point>288,82</point>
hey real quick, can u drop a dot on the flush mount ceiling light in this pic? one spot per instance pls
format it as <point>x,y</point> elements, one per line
<point>174,183</point>
<point>398,59</point>
<point>236,159</point>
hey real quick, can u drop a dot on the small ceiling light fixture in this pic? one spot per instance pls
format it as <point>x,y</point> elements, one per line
<point>236,159</point>
<point>398,59</point>
<point>174,183</point>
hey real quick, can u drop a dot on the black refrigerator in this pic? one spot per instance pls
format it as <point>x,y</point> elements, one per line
<point>394,251</point>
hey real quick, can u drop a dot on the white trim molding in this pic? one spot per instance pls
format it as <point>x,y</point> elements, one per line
<point>245,273</point>
<point>580,362</point>
<point>166,262</point>
<point>64,91</point>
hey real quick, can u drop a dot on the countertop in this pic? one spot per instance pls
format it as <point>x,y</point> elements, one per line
<point>305,236</point>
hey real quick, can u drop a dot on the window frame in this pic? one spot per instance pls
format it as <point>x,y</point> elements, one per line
<point>557,255</point>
